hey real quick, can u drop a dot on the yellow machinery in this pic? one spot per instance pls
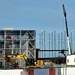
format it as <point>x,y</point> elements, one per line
<point>18,56</point>
<point>38,64</point>
<point>10,58</point>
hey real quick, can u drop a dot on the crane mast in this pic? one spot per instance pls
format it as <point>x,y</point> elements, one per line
<point>68,39</point>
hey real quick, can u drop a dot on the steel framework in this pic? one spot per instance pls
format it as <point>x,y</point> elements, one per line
<point>18,41</point>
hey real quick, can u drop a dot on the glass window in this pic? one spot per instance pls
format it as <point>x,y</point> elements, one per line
<point>67,60</point>
<point>74,59</point>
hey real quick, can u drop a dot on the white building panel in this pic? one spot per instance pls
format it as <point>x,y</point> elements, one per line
<point>11,72</point>
<point>70,60</point>
<point>68,71</point>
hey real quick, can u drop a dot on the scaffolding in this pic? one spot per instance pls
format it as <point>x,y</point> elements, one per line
<point>17,41</point>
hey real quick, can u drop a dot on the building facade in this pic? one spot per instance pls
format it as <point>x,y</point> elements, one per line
<point>17,42</point>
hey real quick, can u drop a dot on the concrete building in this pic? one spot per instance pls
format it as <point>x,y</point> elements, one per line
<point>17,41</point>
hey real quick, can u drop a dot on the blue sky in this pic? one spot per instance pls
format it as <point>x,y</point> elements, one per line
<point>39,15</point>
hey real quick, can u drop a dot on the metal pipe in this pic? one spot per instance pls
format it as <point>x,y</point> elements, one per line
<point>55,42</point>
<point>42,42</point>
<point>49,45</point>
<point>52,44</point>
<point>44,45</point>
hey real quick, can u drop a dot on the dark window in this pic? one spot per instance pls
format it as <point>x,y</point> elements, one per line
<point>67,60</point>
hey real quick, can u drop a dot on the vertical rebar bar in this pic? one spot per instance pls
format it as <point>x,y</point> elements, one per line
<point>55,42</point>
<point>59,42</point>
<point>42,43</point>
<point>49,45</point>
<point>52,44</point>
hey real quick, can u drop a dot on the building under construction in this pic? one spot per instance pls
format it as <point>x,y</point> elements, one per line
<point>17,42</point>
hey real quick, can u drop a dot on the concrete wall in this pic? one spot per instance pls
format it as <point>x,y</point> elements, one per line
<point>68,71</point>
<point>11,72</point>
<point>70,60</point>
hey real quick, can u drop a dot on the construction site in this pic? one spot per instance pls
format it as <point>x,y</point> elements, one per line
<point>19,47</point>
<point>15,43</point>
<point>18,50</point>
<point>19,54</point>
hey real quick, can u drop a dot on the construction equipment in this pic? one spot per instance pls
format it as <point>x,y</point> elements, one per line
<point>68,39</point>
<point>19,56</point>
<point>38,64</point>
<point>10,58</point>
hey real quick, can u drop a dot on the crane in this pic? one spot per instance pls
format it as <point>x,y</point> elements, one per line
<point>68,39</point>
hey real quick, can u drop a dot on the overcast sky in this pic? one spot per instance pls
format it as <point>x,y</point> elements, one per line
<point>39,15</point>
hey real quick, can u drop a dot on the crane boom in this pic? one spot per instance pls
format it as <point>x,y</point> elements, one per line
<point>68,39</point>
